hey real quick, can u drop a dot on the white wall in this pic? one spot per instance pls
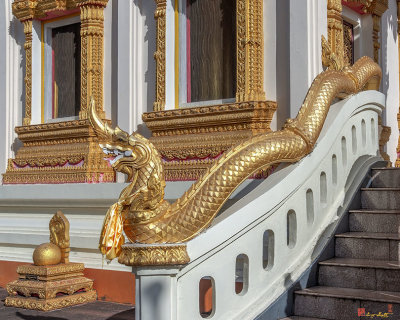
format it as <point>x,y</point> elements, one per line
<point>390,80</point>
<point>12,91</point>
<point>299,26</point>
<point>134,62</point>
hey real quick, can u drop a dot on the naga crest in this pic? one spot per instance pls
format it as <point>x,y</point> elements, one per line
<point>124,152</point>
<point>59,234</point>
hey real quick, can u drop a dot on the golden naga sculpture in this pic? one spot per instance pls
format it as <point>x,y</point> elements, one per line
<point>141,211</point>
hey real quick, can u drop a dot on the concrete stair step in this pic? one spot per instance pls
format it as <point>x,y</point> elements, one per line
<point>385,177</point>
<point>386,221</point>
<point>360,274</point>
<point>343,303</point>
<point>368,245</point>
<point>301,318</point>
<point>380,198</point>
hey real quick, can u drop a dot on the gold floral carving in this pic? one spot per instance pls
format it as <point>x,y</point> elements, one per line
<point>50,304</point>
<point>28,71</point>
<point>52,157</point>
<point>92,52</point>
<point>335,32</point>
<point>51,271</point>
<point>190,139</point>
<point>377,8</point>
<point>162,255</point>
<point>143,213</point>
<point>250,51</point>
<point>48,286</point>
<point>159,55</point>
<point>62,152</point>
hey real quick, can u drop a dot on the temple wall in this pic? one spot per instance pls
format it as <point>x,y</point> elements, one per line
<point>299,26</point>
<point>390,79</point>
<point>12,93</point>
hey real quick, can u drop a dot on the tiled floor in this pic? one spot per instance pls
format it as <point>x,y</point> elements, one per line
<point>98,310</point>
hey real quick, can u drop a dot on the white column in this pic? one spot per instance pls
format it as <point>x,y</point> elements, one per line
<point>299,27</point>
<point>11,82</point>
<point>170,56</point>
<point>156,293</point>
<point>36,72</point>
<point>270,53</point>
<point>390,75</point>
<point>308,22</point>
<point>135,64</point>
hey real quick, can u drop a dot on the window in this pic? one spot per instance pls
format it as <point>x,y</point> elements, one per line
<point>348,37</point>
<point>208,50</point>
<point>62,68</point>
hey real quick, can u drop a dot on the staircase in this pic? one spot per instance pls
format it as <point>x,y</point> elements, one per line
<point>364,275</point>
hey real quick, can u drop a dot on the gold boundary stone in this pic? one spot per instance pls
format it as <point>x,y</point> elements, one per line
<point>51,304</point>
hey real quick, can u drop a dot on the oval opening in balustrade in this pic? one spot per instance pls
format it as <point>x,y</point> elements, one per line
<point>268,249</point>
<point>334,170</point>
<point>291,229</point>
<point>363,133</point>
<point>354,139</point>
<point>242,274</point>
<point>207,297</point>
<point>344,152</point>
<point>310,206</point>
<point>323,188</point>
<point>373,133</point>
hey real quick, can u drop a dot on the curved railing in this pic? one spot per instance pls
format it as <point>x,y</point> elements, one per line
<point>269,238</point>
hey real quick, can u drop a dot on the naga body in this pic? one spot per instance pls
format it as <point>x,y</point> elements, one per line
<point>141,211</point>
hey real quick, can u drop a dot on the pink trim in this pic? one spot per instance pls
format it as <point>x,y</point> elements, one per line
<point>78,164</point>
<point>58,14</point>
<point>355,7</point>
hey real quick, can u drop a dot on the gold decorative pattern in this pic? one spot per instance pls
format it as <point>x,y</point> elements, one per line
<point>160,255</point>
<point>49,284</point>
<point>141,209</point>
<point>37,9</point>
<point>51,271</point>
<point>54,157</point>
<point>377,8</point>
<point>28,71</point>
<point>190,139</point>
<point>51,304</point>
<point>250,51</point>
<point>92,52</point>
<point>335,32</point>
<point>62,152</point>
<point>159,55</point>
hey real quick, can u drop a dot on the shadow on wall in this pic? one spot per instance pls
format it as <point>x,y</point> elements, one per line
<point>388,60</point>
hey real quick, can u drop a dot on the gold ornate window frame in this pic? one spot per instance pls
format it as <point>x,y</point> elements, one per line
<point>250,52</point>
<point>65,151</point>
<point>190,139</point>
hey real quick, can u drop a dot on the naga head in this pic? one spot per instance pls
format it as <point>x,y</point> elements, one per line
<point>125,153</point>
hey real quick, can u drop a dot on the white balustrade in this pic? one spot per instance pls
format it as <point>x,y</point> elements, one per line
<point>269,238</point>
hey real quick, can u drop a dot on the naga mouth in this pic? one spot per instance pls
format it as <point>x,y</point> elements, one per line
<point>112,155</point>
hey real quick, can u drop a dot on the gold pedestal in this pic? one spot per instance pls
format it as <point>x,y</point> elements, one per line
<point>50,287</point>
<point>62,152</point>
